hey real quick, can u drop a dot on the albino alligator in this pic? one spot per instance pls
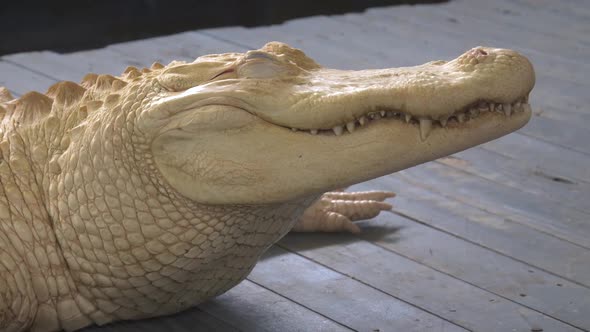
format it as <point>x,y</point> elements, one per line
<point>143,195</point>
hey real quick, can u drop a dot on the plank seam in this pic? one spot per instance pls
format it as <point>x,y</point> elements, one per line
<point>225,40</point>
<point>587,182</point>
<point>452,198</point>
<point>476,286</point>
<point>518,188</point>
<point>31,70</point>
<point>216,318</point>
<point>300,304</point>
<point>442,230</point>
<point>371,286</point>
<point>212,314</point>
<point>429,267</point>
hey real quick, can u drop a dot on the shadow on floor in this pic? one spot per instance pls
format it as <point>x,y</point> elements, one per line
<point>309,241</point>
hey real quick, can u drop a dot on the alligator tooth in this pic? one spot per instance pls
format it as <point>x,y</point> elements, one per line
<point>338,130</point>
<point>517,106</point>
<point>483,107</point>
<point>314,131</point>
<point>408,118</point>
<point>382,113</point>
<point>362,120</point>
<point>473,112</point>
<point>372,116</point>
<point>350,126</point>
<point>461,117</point>
<point>443,120</point>
<point>499,108</point>
<point>294,129</point>
<point>507,109</point>
<point>425,127</point>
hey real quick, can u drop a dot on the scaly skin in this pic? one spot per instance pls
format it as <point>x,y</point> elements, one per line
<point>143,195</point>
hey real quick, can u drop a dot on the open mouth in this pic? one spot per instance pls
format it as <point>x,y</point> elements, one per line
<point>425,123</point>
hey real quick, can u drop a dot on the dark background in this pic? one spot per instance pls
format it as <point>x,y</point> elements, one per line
<point>70,25</point>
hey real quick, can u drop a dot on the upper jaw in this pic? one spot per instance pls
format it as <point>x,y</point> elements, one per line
<point>424,123</point>
<point>327,100</point>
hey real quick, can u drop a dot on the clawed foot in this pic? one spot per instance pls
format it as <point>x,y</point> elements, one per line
<point>336,211</point>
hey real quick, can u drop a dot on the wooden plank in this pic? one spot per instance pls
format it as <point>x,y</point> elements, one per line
<point>74,66</point>
<point>339,297</point>
<point>502,235</point>
<point>537,30</point>
<point>246,307</point>
<point>531,19</point>
<point>20,80</point>
<point>115,58</point>
<point>573,115</point>
<point>184,46</point>
<point>552,160</point>
<point>254,308</point>
<point>510,172</point>
<point>575,10</point>
<point>439,293</point>
<point>571,136</point>
<point>442,22</point>
<point>543,215</point>
<point>184,321</point>
<point>315,48</point>
<point>465,261</point>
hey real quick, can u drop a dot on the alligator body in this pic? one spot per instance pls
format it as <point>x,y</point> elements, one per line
<point>145,194</point>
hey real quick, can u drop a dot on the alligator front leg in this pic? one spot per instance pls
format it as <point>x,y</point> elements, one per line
<point>336,211</point>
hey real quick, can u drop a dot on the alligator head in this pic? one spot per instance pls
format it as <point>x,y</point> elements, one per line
<point>272,125</point>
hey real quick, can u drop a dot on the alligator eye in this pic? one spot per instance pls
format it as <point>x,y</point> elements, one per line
<point>257,64</point>
<point>252,55</point>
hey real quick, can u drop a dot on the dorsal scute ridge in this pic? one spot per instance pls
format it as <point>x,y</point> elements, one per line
<point>131,73</point>
<point>156,65</point>
<point>100,86</point>
<point>31,107</point>
<point>66,93</point>
<point>5,95</point>
<point>89,80</point>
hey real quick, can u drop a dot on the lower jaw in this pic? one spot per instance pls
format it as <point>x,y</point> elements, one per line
<point>388,146</point>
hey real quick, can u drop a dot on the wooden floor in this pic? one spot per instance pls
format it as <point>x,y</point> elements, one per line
<point>496,238</point>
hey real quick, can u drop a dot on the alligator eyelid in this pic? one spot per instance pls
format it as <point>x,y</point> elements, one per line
<point>258,55</point>
<point>227,71</point>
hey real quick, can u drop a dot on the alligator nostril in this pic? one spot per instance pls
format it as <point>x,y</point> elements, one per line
<point>482,52</point>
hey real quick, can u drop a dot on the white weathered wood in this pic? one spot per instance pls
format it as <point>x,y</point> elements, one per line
<point>397,275</point>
